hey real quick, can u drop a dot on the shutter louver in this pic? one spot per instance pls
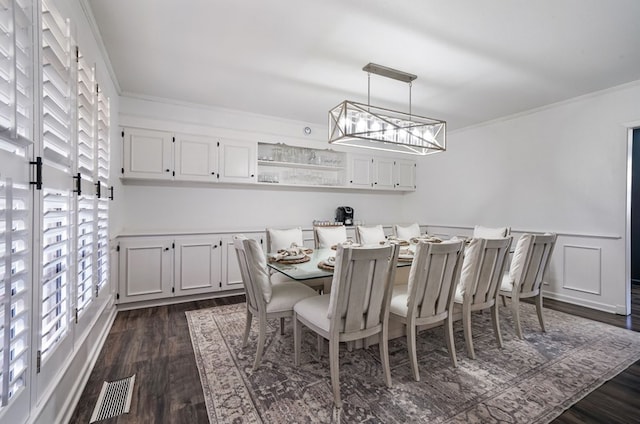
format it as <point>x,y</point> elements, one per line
<point>15,275</point>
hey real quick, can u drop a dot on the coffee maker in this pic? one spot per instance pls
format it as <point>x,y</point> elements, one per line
<point>344,214</point>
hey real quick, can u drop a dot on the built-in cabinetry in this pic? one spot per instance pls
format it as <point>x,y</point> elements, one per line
<point>161,155</point>
<point>381,173</point>
<point>166,266</point>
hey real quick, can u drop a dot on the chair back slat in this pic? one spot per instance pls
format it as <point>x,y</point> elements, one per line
<point>362,286</point>
<point>435,277</point>
<point>492,261</point>
<point>253,292</point>
<point>536,263</point>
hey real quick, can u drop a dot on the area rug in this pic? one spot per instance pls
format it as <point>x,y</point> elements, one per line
<point>528,381</point>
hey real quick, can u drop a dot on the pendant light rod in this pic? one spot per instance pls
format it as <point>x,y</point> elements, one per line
<point>389,72</point>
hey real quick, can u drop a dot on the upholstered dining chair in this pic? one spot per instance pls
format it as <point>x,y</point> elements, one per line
<point>326,236</point>
<point>408,232</point>
<point>491,232</point>
<point>370,235</point>
<point>427,299</point>
<point>264,299</point>
<point>482,269</point>
<point>529,264</point>
<point>357,308</point>
<point>283,238</point>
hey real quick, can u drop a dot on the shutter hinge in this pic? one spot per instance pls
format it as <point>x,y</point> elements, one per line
<point>111,193</point>
<point>38,181</point>
<point>78,179</point>
<point>97,291</point>
<point>77,54</point>
<point>97,88</point>
<point>76,315</point>
<point>38,360</point>
<point>98,189</point>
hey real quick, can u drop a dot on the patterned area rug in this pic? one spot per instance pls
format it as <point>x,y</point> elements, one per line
<point>528,381</point>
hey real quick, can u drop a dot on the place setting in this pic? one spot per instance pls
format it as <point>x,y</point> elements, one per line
<point>293,255</point>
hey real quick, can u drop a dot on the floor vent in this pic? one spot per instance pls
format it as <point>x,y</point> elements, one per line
<point>114,399</point>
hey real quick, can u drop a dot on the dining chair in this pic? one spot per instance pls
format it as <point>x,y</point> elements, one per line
<point>370,235</point>
<point>357,308</point>
<point>264,299</point>
<point>482,269</point>
<point>427,299</point>
<point>278,239</point>
<point>406,232</point>
<point>529,264</point>
<point>491,232</point>
<point>325,236</point>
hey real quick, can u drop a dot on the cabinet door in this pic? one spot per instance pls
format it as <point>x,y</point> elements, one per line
<point>360,171</point>
<point>196,158</point>
<point>148,154</point>
<point>405,174</point>
<point>383,173</point>
<point>146,269</point>
<point>231,277</point>
<point>197,265</point>
<point>237,161</point>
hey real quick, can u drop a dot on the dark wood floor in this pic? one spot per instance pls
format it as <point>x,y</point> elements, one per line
<point>154,344</point>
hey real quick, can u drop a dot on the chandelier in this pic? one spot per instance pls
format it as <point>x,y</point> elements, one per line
<point>359,125</point>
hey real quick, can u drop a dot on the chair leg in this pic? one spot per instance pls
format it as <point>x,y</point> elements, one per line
<point>320,342</point>
<point>496,324</point>
<point>262,335</point>
<point>334,365</point>
<point>297,339</point>
<point>515,307</point>
<point>411,347</point>
<point>384,354</point>
<point>504,300</point>
<point>468,338</point>
<point>448,335</point>
<point>247,328</point>
<point>539,311</point>
<point>281,326</point>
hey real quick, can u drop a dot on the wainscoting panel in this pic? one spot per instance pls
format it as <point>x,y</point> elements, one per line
<point>582,268</point>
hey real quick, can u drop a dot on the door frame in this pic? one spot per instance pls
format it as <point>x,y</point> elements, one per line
<point>631,126</point>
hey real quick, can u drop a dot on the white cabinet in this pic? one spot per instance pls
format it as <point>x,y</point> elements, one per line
<point>198,265</point>
<point>146,269</point>
<point>147,154</point>
<point>381,173</point>
<point>231,278</point>
<point>405,174</point>
<point>196,158</point>
<point>237,161</point>
<point>360,171</point>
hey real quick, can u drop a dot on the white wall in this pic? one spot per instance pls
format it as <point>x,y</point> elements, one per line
<point>149,208</point>
<point>561,168</point>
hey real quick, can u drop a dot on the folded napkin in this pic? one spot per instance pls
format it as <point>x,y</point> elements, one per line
<point>293,251</point>
<point>425,237</point>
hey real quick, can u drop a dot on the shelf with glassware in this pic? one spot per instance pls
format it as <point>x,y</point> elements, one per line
<point>301,166</point>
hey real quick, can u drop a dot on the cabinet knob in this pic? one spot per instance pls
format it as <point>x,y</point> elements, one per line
<point>376,183</point>
<point>351,181</point>
<point>213,173</point>
<point>166,249</point>
<point>252,175</point>
<point>167,170</point>
<point>215,246</point>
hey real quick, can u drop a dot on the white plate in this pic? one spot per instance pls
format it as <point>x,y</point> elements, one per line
<point>294,257</point>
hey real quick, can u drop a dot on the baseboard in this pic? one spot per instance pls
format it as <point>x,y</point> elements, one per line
<point>178,299</point>
<point>612,309</point>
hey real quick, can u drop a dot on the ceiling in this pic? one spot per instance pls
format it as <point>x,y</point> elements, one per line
<point>296,59</point>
